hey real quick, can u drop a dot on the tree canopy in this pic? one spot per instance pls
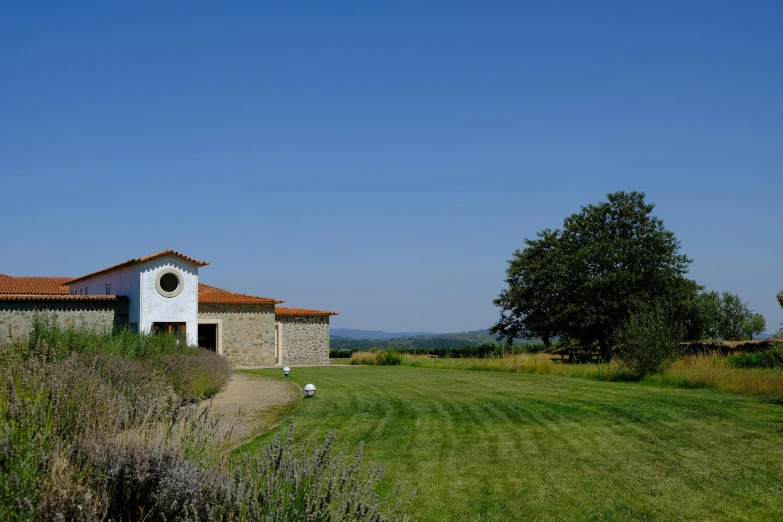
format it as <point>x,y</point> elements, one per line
<point>583,281</point>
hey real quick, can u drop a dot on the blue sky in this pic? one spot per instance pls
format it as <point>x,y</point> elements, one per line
<point>385,159</point>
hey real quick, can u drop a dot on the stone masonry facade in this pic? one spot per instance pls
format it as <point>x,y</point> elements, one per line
<point>16,317</point>
<point>305,339</point>
<point>248,331</point>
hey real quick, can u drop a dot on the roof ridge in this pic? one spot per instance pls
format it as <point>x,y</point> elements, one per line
<point>143,259</point>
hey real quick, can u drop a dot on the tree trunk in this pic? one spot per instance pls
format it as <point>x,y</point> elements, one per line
<point>547,341</point>
<point>606,354</point>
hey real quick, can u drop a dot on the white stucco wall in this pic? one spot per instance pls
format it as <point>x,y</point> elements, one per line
<point>125,281</point>
<point>146,305</point>
<point>181,308</point>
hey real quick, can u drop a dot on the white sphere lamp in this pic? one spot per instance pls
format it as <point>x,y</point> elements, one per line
<point>286,371</point>
<point>309,390</point>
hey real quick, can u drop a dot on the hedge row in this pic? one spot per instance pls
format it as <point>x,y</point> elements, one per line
<point>481,351</point>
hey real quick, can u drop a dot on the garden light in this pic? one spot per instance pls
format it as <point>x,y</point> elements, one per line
<point>309,390</point>
<point>286,371</point>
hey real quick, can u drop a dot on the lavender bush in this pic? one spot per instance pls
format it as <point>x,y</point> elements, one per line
<point>117,435</point>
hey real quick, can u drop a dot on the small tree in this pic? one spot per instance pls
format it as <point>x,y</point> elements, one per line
<point>737,321</point>
<point>755,325</point>
<point>702,316</point>
<point>649,340</point>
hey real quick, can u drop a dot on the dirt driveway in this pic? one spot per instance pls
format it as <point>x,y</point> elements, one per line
<point>251,404</point>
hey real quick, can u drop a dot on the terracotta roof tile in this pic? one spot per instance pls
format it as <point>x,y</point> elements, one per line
<point>33,285</point>
<point>151,257</point>
<point>60,297</point>
<point>214,295</point>
<point>279,310</point>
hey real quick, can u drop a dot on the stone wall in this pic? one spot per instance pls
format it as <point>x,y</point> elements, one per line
<point>305,339</point>
<point>16,317</point>
<point>247,330</point>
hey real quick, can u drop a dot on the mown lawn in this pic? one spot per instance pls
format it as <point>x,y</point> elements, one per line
<point>498,446</point>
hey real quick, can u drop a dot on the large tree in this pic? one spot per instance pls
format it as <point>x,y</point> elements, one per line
<point>529,304</point>
<point>583,281</point>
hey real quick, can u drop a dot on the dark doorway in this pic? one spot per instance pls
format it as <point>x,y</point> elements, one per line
<point>207,336</point>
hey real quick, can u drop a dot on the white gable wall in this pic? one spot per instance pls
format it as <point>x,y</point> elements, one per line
<point>181,308</point>
<point>124,281</point>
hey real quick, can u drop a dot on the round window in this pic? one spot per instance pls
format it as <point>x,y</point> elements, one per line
<point>168,282</point>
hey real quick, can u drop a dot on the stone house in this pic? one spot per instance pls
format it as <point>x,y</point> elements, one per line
<point>162,293</point>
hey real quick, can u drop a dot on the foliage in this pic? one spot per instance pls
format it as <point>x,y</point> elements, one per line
<point>583,281</point>
<point>158,480</point>
<point>772,358</point>
<point>115,435</point>
<point>487,350</point>
<point>649,341</point>
<point>423,342</point>
<point>193,373</point>
<point>120,342</point>
<point>779,333</point>
<point>377,358</point>
<point>530,303</point>
<point>737,321</point>
<point>704,370</point>
<point>389,358</point>
<point>483,446</point>
<point>712,315</point>
<point>703,316</point>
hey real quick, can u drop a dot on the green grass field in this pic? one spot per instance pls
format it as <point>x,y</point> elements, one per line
<point>500,446</point>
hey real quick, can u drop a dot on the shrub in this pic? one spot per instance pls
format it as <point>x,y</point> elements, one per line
<point>366,358</point>
<point>340,354</point>
<point>481,351</point>
<point>648,342</point>
<point>156,480</point>
<point>377,358</point>
<point>388,358</point>
<point>198,376</point>
<point>87,434</point>
<point>772,358</point>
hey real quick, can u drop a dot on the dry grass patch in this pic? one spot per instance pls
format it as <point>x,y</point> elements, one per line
<point>535,363</point>
<point>713,371</point>
<point>700,371</point>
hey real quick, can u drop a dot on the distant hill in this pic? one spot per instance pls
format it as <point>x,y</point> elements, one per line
<point>352,339</point>
<point>352,333</point>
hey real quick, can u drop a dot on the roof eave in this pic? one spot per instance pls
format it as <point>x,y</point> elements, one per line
<point>139,260</point>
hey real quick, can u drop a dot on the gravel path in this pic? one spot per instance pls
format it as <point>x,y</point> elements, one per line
<point>251,404</point>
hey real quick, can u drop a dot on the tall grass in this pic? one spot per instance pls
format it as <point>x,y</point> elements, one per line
<point>538,363</point>
<point>701,371</point>
<point>378,358</point>
<point>714,371</point>
<point>87,434</point>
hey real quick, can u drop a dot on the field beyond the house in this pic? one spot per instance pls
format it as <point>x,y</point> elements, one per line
<point>481,445</point>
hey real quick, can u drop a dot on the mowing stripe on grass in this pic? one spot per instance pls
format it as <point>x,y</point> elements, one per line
<point>500,446</point>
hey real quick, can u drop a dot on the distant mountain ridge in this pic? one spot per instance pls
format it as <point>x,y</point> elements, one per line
<point>355,339</point>
<point>354,333</point>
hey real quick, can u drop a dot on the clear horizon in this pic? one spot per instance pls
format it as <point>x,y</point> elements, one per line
<point>385,161</point>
